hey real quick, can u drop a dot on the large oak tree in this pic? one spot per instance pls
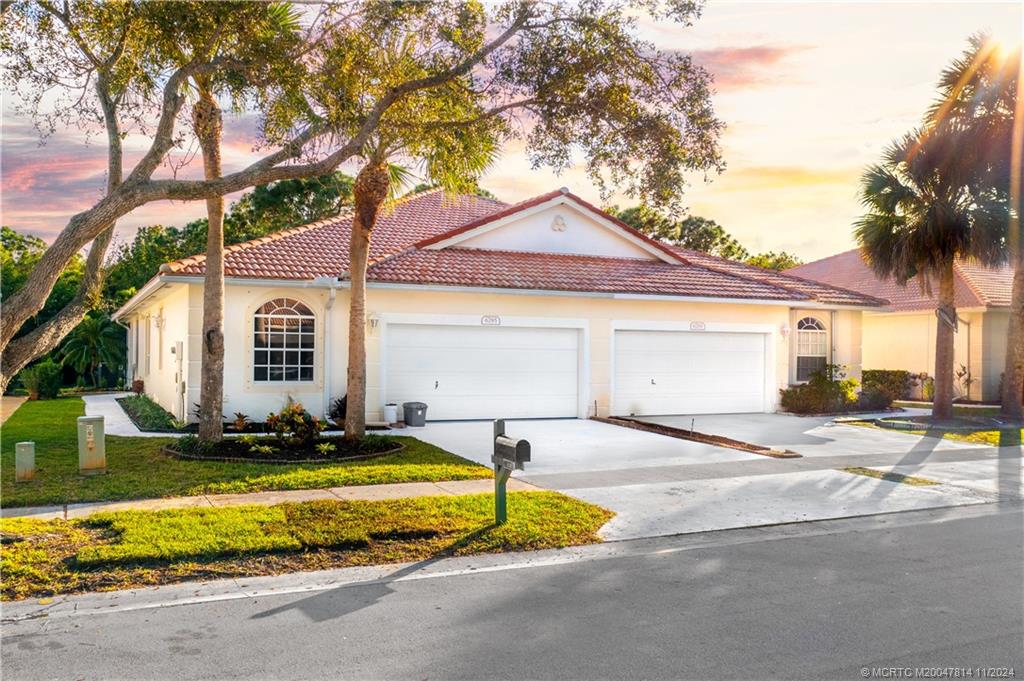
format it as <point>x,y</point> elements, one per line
<point>422,81</point>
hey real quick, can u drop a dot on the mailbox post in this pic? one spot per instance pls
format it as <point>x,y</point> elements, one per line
<point>509,455</point>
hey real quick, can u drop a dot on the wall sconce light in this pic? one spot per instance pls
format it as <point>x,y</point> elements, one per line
<point>373,321</point>
<point>784,330</point>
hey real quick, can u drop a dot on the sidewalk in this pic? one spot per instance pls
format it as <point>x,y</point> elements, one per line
<point>360,492</point>
<point>8,405</point>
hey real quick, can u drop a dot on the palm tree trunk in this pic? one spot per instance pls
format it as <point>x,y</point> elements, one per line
<point>208,126</point>
<point>942,407</point>
<point>369,192</point>
<point>1013,374</point>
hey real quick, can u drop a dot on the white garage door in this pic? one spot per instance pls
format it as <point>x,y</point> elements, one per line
<point>483,372</point>
<point>677,372</point>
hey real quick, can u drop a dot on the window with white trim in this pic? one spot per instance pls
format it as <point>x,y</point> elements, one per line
<point>811,347</point>
<point>284,340</point>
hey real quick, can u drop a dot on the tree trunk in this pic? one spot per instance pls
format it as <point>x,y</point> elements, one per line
<point>208,125</point>
<point>369,192</point>
<point>942,407</point>
<point>1013,374</point>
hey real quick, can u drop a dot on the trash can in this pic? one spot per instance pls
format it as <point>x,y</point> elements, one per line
<point>390,413</point>
<point>415,414</point>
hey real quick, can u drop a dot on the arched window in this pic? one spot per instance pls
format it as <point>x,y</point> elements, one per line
<point>284,341</point>
<point>811,347</point>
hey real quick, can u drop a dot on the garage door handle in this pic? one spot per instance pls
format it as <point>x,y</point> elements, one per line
<point>436,383</point>
<point>652,382</point>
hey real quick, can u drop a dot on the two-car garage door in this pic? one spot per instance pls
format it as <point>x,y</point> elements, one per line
<point>680,372</point>
<point>484,372</point>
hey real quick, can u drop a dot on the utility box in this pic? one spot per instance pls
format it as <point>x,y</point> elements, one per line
<point>24,461</point>
<point>415,414</point>
<point>92,446</point>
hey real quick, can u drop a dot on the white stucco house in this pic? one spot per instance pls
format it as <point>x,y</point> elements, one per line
<point>546,308</point>
<point>901,335</point>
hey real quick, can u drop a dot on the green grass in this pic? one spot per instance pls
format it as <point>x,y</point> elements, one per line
<point>957,410</point>
<point>1006,437</point>
<point>134,548</point>
<point>147,414</point>
<point>137,469</point>
<point>890,477</point>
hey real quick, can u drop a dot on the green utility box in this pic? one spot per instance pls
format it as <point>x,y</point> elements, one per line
<point>92,446</point>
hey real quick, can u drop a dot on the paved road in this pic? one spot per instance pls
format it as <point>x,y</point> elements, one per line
<point>815,600</point>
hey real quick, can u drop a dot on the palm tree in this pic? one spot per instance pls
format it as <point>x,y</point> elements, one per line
<point>922,216</point>
<point>94,342</point>
<point>979,94</point>
<point>375,184</point>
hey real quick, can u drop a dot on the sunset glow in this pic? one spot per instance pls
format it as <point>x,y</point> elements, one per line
<point>810,92</point>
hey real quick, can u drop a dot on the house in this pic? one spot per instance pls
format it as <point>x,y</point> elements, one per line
<point>901,335</point>
<point>546,308</point>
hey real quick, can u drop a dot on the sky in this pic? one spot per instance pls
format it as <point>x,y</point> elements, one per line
<point>810,93</point>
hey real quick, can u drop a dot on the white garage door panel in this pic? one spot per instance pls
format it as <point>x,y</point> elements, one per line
<point>470,372</point>
<point>677,372</point>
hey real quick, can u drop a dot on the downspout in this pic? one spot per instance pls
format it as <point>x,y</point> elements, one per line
<point>128,355</point>
<point>969,376</point>
<point>331,284</point>
<point>832,336</point>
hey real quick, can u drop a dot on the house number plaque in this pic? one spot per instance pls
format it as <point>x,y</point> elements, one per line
<point>490,320</point>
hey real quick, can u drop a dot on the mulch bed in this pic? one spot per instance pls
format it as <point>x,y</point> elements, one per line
<point>232,450</point>
<point>693,435</point>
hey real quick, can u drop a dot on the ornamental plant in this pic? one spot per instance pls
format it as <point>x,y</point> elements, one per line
<point>296,424</point>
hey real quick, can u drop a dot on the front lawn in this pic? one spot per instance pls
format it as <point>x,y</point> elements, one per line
<point>137,469</point>
<point>137,548</point>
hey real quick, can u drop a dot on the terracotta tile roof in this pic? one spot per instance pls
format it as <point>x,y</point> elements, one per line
<point>823,293</point>
<point>975,286</point>
<point>397,255</point>
<point>556,272</point>
<point>321,248</point>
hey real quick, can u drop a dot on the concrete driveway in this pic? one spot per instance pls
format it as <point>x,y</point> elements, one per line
<point>573,445</point>
<point>807,435</point>
<point>659,485</point>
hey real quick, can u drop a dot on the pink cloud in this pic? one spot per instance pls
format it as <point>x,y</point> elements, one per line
<point>739,67</point>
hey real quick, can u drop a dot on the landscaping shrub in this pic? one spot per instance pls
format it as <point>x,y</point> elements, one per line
<point>296,422</point>
<point>874,399</point>
<point>828,391</point>
<point>42,381</point>
<point>147,414</point>
<point>895,383</point>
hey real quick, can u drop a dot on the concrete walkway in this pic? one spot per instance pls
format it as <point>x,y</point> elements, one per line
<point>115,421</point>
<point>354,492</point>
<point>8,405</point>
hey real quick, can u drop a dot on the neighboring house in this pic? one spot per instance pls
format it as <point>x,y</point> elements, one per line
<point>902,335</point>
<point>546,308</point>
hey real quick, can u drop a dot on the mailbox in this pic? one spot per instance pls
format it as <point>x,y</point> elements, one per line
<point>509,455</point>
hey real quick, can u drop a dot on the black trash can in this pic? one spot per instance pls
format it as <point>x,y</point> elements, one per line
<point>415,414</point>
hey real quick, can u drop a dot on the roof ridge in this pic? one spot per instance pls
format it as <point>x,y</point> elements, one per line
<point>958,270</point>
<point>713,269</point>
<point>787,275</point>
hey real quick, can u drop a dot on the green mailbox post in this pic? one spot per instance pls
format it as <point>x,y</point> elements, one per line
<point>509,455</point>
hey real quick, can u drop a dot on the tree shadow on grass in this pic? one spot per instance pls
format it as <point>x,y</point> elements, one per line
<point>327,605</point>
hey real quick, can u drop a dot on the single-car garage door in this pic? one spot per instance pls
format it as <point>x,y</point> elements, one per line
<point>679,372</point>
<point>483,372</point>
